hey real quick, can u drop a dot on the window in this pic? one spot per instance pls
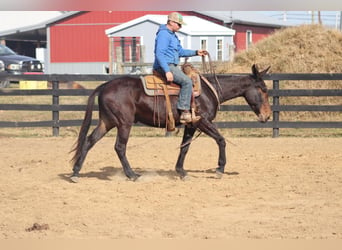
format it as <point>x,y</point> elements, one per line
<point>219,49</point>
<point>126,49</point>
<point>204,43</point>
<point>249,39</point>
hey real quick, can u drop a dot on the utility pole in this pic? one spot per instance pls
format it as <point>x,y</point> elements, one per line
<point>340,20</point>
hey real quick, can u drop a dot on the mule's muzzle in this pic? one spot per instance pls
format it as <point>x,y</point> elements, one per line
<point>263,118</point>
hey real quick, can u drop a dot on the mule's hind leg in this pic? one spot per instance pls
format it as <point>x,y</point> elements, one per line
<point>94,137</point>
<point>120,148</point>
<point>187,137</point>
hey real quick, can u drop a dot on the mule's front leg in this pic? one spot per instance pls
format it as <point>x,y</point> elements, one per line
<point>187,137</point>
<point>208,128</point>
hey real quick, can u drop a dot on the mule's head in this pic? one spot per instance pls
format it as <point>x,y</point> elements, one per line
<point>257,96</point>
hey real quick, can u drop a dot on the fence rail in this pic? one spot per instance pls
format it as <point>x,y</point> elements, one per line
<point>276,93</point>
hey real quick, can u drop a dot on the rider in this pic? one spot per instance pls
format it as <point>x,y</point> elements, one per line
<point>167,52</point>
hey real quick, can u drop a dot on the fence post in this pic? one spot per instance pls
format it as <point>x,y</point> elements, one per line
<point>275,112</point>
<point>55,113</point>
<point>119,61</point>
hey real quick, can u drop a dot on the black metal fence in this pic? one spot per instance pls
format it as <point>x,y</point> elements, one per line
<point>55,92</point>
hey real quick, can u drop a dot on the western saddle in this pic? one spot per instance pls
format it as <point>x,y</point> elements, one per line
<point>156,85</point>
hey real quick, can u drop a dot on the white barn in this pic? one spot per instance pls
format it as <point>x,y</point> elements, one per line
<point>140,33</point>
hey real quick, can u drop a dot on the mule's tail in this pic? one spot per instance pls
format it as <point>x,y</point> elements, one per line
<point>85,125</point>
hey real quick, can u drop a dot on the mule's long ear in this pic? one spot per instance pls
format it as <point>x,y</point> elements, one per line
<point>262,73</point>
<point>256,73</point>
<point>255,70</point>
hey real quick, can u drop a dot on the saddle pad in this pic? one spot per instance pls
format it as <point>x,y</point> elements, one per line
<point>152,86</point>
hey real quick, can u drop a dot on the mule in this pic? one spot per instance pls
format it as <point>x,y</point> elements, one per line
<point>122,103</point>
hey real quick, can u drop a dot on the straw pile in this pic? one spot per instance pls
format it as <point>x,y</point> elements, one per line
<point>300,49</point>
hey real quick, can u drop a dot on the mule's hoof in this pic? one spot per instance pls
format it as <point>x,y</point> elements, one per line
<point>134,177</point>
<point>74,179</point>
<point>219,174</point>
<point>184,177</point>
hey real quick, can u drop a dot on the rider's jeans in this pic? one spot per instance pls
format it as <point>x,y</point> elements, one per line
<point>185,82</point>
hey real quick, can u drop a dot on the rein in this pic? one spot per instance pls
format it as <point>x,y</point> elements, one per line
<point>212,88</point>
<point>190,141</point>
<point>216,92</point>
<point>211,70</point>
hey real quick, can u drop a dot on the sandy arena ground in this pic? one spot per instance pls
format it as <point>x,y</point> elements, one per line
<point>273,189</point>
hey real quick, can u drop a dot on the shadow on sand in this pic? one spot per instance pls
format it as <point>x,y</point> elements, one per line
<point>107,172</point>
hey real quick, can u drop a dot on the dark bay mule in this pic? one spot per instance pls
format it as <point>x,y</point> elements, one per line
<point>123,102</point>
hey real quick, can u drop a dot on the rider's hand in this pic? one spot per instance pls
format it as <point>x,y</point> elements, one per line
<point>169,76</point>
<point>202,52</point>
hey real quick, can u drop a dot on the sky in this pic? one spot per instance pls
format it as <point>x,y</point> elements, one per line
<point>329,18</point>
